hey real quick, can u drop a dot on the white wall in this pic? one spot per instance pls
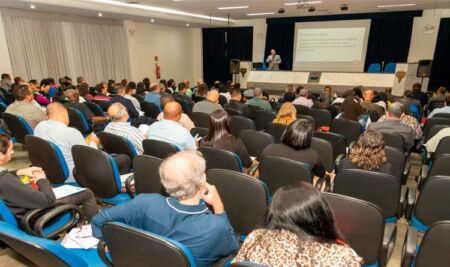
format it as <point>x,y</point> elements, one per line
<point>5,64</point>
<point>179,51</point>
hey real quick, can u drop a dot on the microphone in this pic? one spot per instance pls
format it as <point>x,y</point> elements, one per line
<point>382,66</point>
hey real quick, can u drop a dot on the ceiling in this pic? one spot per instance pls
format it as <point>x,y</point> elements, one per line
<point>205,13</point>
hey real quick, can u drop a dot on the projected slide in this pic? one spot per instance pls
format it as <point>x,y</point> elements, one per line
<point>331,46</point>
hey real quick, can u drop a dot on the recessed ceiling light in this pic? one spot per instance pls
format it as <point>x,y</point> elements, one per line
<point>32,6</point>
<point>152,20</point>
<point>261,14</point>
<point>161,10</point>
<point>232,7</point>
<point>303,3</point>
<point>187,24</point>
<point>397,5</point>
<point>100,14</point>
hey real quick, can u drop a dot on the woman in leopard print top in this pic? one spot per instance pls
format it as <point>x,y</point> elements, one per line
<point>299,231</point>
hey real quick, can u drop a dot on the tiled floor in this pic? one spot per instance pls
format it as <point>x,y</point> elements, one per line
<point>8,258</point>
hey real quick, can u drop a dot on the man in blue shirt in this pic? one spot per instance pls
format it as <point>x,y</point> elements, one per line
<point>154,95</point>
<point>445,109</point>
<point>184,215</point>
<point>170,130</point>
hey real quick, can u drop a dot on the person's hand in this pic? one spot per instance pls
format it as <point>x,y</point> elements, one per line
<point>331,174</point>
<point>94,139</point>
<point>212,197</point>
<point>28,171</point>
<point>38,175</point>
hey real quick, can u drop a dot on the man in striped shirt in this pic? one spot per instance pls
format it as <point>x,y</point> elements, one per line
<point>120,126</point>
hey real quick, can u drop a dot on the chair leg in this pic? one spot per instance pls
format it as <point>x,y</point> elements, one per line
<point>390,234</point>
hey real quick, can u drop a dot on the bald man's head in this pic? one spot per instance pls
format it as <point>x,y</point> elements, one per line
<point>172,111</point>
<point>57,112</point>
<point>213,96</point>
<point>118,113</point>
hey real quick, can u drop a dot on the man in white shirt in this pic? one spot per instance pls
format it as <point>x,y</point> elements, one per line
<point>303,100</point>
<point>57,131</point>
<point>120,126</point>
<point>129,95</point>
<point>433,143</point>
<point>169,129</point>
<point>445,109</point>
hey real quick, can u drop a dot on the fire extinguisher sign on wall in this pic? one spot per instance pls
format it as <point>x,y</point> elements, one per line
<point>157,68</point>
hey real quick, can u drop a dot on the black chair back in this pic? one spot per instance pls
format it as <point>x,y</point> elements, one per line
<point>261,118</point>
<point>147,249</point>
<point>200,119</point>
<point>325,150</point>
<point>201,132</point>
<point>245,198</point>
<point>255,141</point>
<point>433,131</point>
<point>361,223</point>
<point>351,130</point>
<point>302,110</point>
<point>374,116</point>
<point>397,159</point>
<point>96,170</point>
<point>336,140</point>
<point>221,159</point>
<point>277,172</point>
<point>158,149</point>
<point>430,206</point>
<point>321,116</point>
<point>239,123</point>
<point>434,247</point>
<point>18,126</point>
<point>380,189</point>
<point>146,174</point>
<point>434,121</point>
<point>150,109</point>
<point>184,106</point>
<point>95,108</point>
<point>394,140</point>
<point>443,147</point>
<point>440,165</point>
<point>251,111</point>
<point>233,112</point>
<point>78,121</point>
<point>435,104</point>
<point>276,130</point>
<point>114,144</point>
<point>102,103</point>
<point>47,156</point>
<point>442,115</point>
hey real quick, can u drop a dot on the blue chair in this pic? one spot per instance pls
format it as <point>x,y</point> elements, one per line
<point>18,126</point>
<point>374,68</point>
<point>95,108</point>
<point>46,223</point>
<point>390,68</point>
<point>97,170</point>
<point>78,121</point>
<point>44,252</point>
<point>147,249</point>
<point>114,144</point>
<point>49,157</point>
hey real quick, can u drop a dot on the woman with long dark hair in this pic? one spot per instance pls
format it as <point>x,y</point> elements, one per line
<point>299,230</point>
<point>220,137</point>
<point>351,110</point>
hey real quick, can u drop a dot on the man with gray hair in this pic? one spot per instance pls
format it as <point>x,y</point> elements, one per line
<point>393,124</point>
<point>210,104</point>
<point>120,126</point>
<point>258,101</point>
<point>304,99</point>
<point>183,216</point>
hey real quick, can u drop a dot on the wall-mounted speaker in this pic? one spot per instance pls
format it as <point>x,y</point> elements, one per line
<point>424,68</point>
<point>235,65</point>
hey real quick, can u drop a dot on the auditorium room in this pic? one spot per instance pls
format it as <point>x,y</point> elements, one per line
<point>225,133</point>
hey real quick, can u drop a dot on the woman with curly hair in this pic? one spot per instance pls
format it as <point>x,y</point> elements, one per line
<point>368,154</point>
<point>287,114</point>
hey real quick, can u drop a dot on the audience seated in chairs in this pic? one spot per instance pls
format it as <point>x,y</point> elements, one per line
<point>235,102</point>
<point>154,95</point>
<point>170,130</point>
<point>418,94</point>
<point>299,230</point>
<point>84,94</point>
<point>21,196</point>
<point>200,92</point>
<point>445,109</point>
<point>367,103</point>
<point>102,92</point>
<point>6,82</point>
<point>57,131</point>
<point>74,102</point>
<point>409,121</point>
<point>120,126</point>
<point>41,92</point>
<point>258,100</point>
<point>303,99</point>
<point>352,110</point>
<point>184,119</point>
<point>184,216</point>
<point>290,88</point>
<point>220,137</point>
<point>25,106</point>
<point>210,104</point>
<point>368,154</point>
<point>393,124</point>
<point>433,143</point>
<point>120,98</point>
<point>287,114</point>
<point>296,145</point>
<point>182,94</point>
<point>129,92</point>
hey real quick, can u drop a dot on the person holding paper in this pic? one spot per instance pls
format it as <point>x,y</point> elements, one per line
<point>273,60</point>
<point>184,216</point>
<point>34,191</point>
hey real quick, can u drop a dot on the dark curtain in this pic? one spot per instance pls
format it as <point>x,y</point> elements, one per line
<point>220,45</point>
<point>389,40</point>
<point>440,72</point>
<point>280,36</point>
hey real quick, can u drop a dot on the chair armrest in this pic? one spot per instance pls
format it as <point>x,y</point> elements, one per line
<point>407,168</point>
<point>29,216</point>
<point>403,201</point>
<point>128,186</point>
<point>409,247</point>
<point>101,251</point>
<point>390,234</point>
<point>76,217</point>
<point>223,262</point>
<point>253,169</point>
<point>423,174</point>
<point>337,161</point>
<point>412,192</point>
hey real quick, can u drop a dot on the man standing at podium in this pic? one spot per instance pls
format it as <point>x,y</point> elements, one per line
<point>274,60</point>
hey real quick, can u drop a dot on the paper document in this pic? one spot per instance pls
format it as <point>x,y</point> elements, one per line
<point>80,238</point>
<point>66,190</point>
<point>252,158</point>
